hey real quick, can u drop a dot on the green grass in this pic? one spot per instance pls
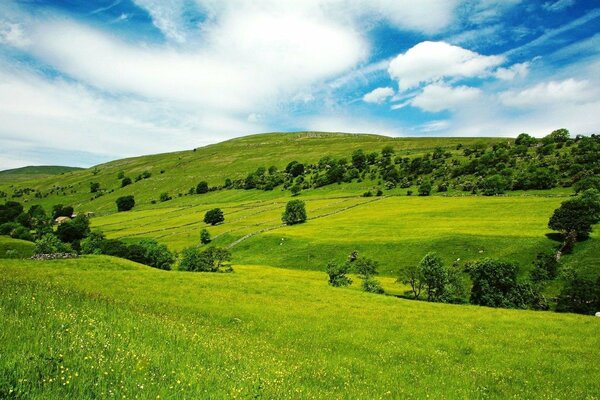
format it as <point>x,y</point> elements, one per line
<point>15,248</point>
<point>98,327</point>
<point>18,175</point>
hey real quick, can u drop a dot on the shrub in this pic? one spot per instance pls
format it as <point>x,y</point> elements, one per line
<point>425,188</point>
<point>155,254</point>
<point>125,203</point>
<point>214,216</point>
<point>50,244</point>
<point>125,181</point>
<point>202,187</point>
<point>205,236</point>
<point>337,273</point>
<point>545,267</point>
<point>295,212</point>
<point>165,197</point>
<point>9,211</point>
<point>372,285</point>
<point>580,296</point>
<point>93,243</point>
<point>494,185</point>
<point>61,211</point>
<point>589,182</point>
<point>94,187</point>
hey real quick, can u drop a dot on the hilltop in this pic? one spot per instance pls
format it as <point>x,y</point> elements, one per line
<point>32,172</point>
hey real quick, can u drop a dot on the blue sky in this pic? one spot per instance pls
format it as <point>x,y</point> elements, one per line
<point>82,82</point>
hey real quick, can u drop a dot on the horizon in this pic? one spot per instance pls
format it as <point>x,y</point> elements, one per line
<point>85,84</point>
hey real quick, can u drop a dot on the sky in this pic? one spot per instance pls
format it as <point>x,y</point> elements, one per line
<point>84,82</point>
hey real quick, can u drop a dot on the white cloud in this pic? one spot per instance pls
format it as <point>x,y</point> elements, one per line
<point>439,97</point>
<point>558,5</point>
<point>12,34</point>
<point>379,95</point>
<point>431,61</point>
<point>551,93</point>
<point>514,71</point>
<point>166,16</point>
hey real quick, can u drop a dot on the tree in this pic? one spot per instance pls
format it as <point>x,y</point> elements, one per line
<point>205,236</point>
<point>125,203</point>
<point>337,273</point>
<point>425,188</point>
<point>202,187</point>
<point>211,260</point>
<point>359,159</point>
<point>125,181</point>
<point>9,211</point>
<point>61,211</point>
<point>156,255</point>
<point>434,275</point>
<point>94,187</point>
<point>73,231</point>
<point>557,136</point>
<point>495,285</point>
<point>93,243</point>
<point>366,269</point>
<point>494,185</point>
<point>589,182</point>
<point>214,216</point>
<point>525,139</point>
<point>295,212</point>
<point>387,151</point>
<point>412,276</point>
<point>545,268</point>
<point>575,217</point>
<point>296,189</point>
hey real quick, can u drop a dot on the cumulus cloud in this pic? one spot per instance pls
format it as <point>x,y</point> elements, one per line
<point>379,95</point>
<point>550,93</point>
<point>439,97</point>
<point>431,61</point>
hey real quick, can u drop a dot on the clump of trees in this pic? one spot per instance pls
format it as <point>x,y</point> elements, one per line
<point>213,259</point>
<point>295,212</point>
<point>440,283</point>
<point>25,225</point>
<point>205,236</point>
<point>364,267</point>
<point>214,216</point>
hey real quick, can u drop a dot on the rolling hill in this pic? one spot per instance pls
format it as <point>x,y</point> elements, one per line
<point>16,175</point>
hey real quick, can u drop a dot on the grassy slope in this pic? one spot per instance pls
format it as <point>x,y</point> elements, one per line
<point>21,248</point>
<point>17,175</point>
<point>100,327</point>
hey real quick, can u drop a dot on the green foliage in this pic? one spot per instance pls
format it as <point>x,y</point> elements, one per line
<point>125,181</point>
<point>494,185</point>
<point>495,285</point>
<point>50,244</point>
<point>213,259</point>
<point>337,273</point>
<point>557,136</point>
<point>296,189</point>
<point>9,211</point>
<point>121,175</point>
<point>214,216</point>
<point>92,244</point>
<point>205,236</point>
<point>372,285</point>
<point>73,231</point>
<point>580,296</point>
<point>425,188</point>
<point>434,276</point>
<point>525,139</point>
<point>589,182</point>
<point>413,276</point>
<point>164,197</point>
<point>202,187</point>
<point>61,211</point>
<point>577,215</point>
<point>94,187</point>
<point>545,268</point>
<point>125,203</point>
<point>295,212</point>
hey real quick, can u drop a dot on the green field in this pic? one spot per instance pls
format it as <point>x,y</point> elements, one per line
<point>99,327</point>
<point>15,175</point>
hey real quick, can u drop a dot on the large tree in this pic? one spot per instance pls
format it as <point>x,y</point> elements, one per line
<point>575,217</point>
<point>295,212</point>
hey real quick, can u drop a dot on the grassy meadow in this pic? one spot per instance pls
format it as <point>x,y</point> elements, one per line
<point>99,327</point>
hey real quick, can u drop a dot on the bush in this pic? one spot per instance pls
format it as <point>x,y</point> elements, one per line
<point>205,236</point>
<point>494,185</point>
<point>211,260</point>
<point>295,213</point>
<point>125,181</point>
<point>155,254</point>
<point>202,187</point>
<point>93,243</point>
<point>545,267</point>
<point>165,197</point>
<point>125,203</point>
<point>214,216</point>
<point>425,188</point>
<point>337,273</point>
<point>94,187</point>
<point>372,285</point>
<point>580,296</point>
<point>7,227</point>
<point>50,244</point>
<point>589,182</point>
<point>61,211</point>
<point>9,211</point>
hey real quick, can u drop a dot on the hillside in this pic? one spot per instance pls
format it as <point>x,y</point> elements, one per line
<point>100,327</point>
<point>17,175</point>
<point>395,229</point>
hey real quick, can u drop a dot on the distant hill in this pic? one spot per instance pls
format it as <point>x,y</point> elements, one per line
<point>33,172</point>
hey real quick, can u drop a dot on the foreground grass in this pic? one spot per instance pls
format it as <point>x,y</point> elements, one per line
<point>101,327</point>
